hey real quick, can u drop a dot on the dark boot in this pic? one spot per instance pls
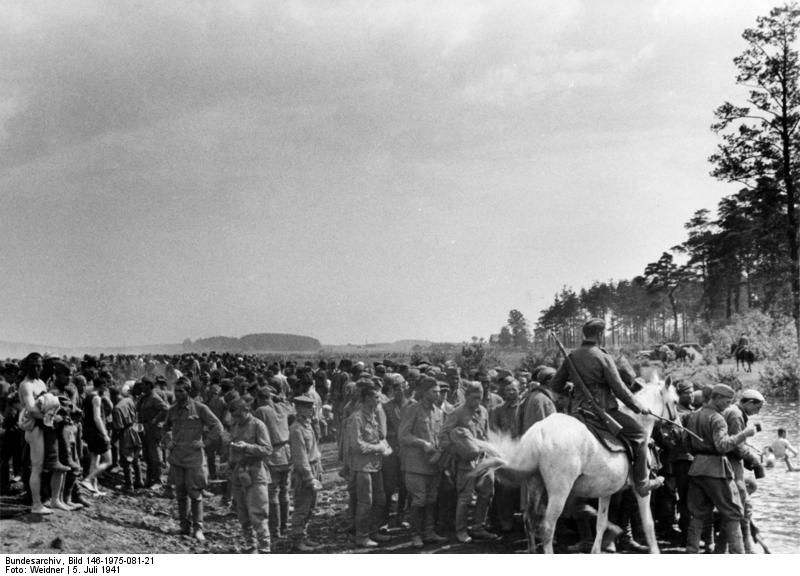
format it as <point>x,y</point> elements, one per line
<point>747,538</point>
<point>284,508</point>
<point>137,474</point>
<point>417,518</point>
<point>694,532</point>
<point>733,533</point>
<point>183,516</point>
<point>429,535</point>
<point>197,519</point>
<point>126,474</point>
<point>274,521</point>
<point>584,525</point>
<point>641,475</point>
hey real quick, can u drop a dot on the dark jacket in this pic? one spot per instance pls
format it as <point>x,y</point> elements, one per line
<point>596,368</point>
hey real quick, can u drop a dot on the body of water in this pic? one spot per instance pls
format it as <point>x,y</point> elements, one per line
<point>776,503</point>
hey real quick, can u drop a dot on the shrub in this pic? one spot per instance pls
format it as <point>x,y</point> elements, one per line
<point>781,377</point>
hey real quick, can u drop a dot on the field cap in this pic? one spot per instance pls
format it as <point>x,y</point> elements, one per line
<point>303,400</point>
<point>722,390</point>
<point>754,395</point>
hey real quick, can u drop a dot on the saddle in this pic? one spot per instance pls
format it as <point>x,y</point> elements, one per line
<point>607,439</point>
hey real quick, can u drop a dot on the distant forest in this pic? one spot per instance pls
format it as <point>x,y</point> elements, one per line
<point>265,342</point>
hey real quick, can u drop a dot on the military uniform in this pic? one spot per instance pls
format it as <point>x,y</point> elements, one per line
<point>152,410</point>
<point>711,479</point>
<point>418,426</point>
<point>250,478</point>
<point>306,468</point>
<point>504,419</point>
<point>477,422</point>
<point>124,420</point>
<point>741,457</point>
<point>276,417</point>
<point>366,455</point>
<point>392,465</point>
<point>186,458</point>
<point>681,463</point>
<point>601,378</point>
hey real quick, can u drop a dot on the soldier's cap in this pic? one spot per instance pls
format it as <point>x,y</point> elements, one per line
<point>230,396</point>
<point>238,405</point>
<point>147,381</point>
<point>594,325</point>
<point>685,386</point>
<point>395,379</point>
<point>473,388</point>
<point>413,374</point>
<point>444,385</point>
<point>451,371</point>
<point>426,383</point>
<point>544,374</point>
<point>161,380</point>
<point>303,400</point>
<point>753,395</point>
<point>722,390</point>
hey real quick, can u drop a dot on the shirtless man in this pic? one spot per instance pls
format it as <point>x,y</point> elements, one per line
<point>41,439</point>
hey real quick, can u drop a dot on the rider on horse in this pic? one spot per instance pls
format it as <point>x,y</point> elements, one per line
<point>743,344</point>
<point>599,373</point>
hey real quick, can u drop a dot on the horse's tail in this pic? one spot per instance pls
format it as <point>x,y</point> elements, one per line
<point>514,460</point>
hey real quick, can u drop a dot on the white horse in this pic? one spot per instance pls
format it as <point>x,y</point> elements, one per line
<point>558,457</point>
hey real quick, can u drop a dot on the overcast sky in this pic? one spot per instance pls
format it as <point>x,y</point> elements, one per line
<point>352,171</point>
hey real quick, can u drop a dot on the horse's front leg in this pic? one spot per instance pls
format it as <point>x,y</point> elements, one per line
<point>647,523</point>
<point>602,523</point>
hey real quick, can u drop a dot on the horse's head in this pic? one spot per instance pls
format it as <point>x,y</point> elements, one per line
<point>659,396</point>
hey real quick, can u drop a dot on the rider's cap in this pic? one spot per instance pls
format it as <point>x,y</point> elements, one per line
<point>722,390</point>
<point>685,386</point>
<point>594,325</point>
<point>754,395</point>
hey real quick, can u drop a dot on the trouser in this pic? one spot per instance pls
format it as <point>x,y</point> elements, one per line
<point>370,502</point>
<point>189,483</point>
<point>279,498</point>
<point>393,482</point>
<point>508,502</point>
<point>447,498</point>
<point>681,470</point>
<point>423,490</point>
<point>131,464</point>
<point>150,451</point>
<point>706,493</point>
<point>466,484</point>
<point>305,501</point>
<point>744,498</point>
<point>252,509</point>
<point>633,432</point>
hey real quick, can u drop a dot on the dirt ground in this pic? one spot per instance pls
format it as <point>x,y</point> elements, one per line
<point>144,522</point>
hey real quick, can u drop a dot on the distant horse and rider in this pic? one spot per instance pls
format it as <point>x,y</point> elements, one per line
<point>743,353</point>
<point>744,356</point>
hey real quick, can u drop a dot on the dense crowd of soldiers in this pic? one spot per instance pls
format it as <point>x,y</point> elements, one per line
<point>405,436</point>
